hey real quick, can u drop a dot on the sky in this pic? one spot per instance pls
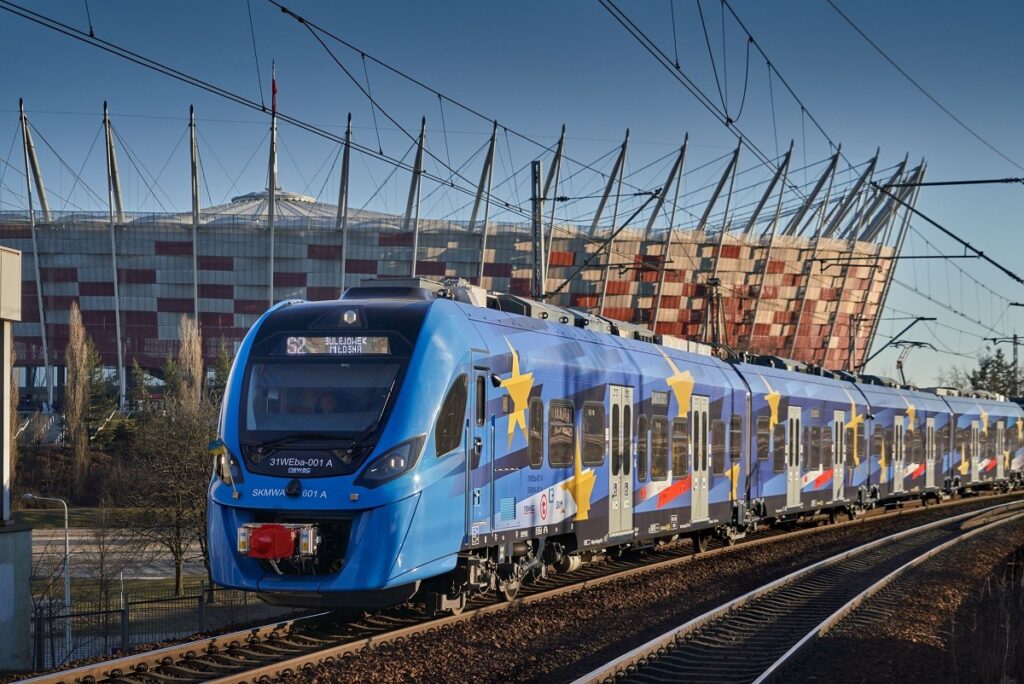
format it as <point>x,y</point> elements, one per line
<point>534,66</point>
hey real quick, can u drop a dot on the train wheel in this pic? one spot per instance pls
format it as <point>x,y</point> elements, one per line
<point>832,516</point>
<point>700,542</point>
<point>509,590</point>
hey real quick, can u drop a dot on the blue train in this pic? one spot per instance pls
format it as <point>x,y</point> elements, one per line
<point>428,440</point>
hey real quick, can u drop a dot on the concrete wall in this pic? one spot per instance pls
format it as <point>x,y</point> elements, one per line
<point>15,597</point>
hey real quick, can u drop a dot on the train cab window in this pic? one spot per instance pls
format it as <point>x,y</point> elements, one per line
<point>763,437</point>
<point>536,443</point>
<point>481,400</point>
<point>659,448</point>
<point>641,448</point>
<point>779,448</point>
<point>452,418</point>
<point>735,437</point>
<point>593,434</point>
<point>826,446</point>
<point>680,448</point>
<point>718,446</point>
<point>561,434</point>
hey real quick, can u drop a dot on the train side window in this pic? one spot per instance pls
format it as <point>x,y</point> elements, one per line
<point>717,446</point>
<point>627,438</point>
<point>593,433</point>
<point>561,434</point>
<point>536,445</point>
<point>680,448</point>
<point>763,437</point>
<point>814,446</point>
<point>826,446</point>
<point>659,448</point>
<point>616,441</point>
<point>735,438</point>
<point>452,418</point>
<point>641,448</point>
<point>779,448</point>
<point>888,447</point>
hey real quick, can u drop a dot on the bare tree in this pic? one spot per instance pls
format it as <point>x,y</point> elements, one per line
<point>78,358</point>
<point>171,440</point>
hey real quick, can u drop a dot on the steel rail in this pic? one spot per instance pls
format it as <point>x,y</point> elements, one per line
<point>167,655</point>
<point>634,661</point>
<point>224,653</point>
<point>773,672</point>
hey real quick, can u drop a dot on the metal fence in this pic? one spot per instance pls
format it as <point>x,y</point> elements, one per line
<point>109,627</point>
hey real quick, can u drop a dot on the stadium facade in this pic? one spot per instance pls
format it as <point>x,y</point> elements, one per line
<point>805,279</point>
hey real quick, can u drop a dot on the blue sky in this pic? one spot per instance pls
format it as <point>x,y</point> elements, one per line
<point>534,66</point>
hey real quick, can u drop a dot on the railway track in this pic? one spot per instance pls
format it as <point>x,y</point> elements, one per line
<point>752,638</point>
<point>287,647</point>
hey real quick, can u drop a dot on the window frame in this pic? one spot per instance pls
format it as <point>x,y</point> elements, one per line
<point>718,451</point>
<point>680,437</point>
<point>584,434</point>
<point>565,404</point>
<point>659,454</point>
<point>535,407</point>
<point>461,432</point>
<point>735,437</point>
<point>642,428</point>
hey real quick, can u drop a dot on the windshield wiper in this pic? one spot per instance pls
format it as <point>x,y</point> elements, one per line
<point>358,441</point>
<point>302,437</point>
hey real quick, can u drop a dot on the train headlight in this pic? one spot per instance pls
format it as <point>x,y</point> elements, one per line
<point>225,466</point>
<point>392,463</point>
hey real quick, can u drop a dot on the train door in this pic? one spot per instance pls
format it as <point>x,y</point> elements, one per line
<point>838,454</point>
<point>898,454</point>
<point>1000,454</point>
<point>700,407</point>
<point>929,454</point>
<point>793,452</point>
<point>975,450</point>
<point>620,465</point>
<point>479,461</point>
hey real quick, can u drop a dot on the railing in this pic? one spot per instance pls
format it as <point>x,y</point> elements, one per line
<point>121,622</point>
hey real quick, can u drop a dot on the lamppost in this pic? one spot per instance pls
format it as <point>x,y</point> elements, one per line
<point>67,572</point>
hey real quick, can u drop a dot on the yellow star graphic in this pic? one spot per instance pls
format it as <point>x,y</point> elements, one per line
<point>912,415</point>
<point>1020,430</point>
<point>883,474</point>
<point>580,486</point>
<point>734,476</point>
<point>681,384</point>
<point>984,422</point>
<point>855,420</point>
<point>773,398</point>
<point>965,462</point>
<point>518,386</point>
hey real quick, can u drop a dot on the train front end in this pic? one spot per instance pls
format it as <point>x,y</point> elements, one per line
<point>318,494</point>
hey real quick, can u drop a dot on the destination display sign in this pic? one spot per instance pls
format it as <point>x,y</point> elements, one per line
<point>342,345</point>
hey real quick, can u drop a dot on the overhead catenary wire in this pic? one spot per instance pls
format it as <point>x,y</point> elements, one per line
<point>197,82</point>
<point>921,88</point>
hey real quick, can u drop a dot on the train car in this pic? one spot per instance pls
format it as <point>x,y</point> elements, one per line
<point>986,430</point>
<point>904,458</point>
<point>432,441</point>
<point>807,439</point>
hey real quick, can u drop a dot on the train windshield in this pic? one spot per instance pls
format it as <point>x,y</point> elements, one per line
<point>348,398</point>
